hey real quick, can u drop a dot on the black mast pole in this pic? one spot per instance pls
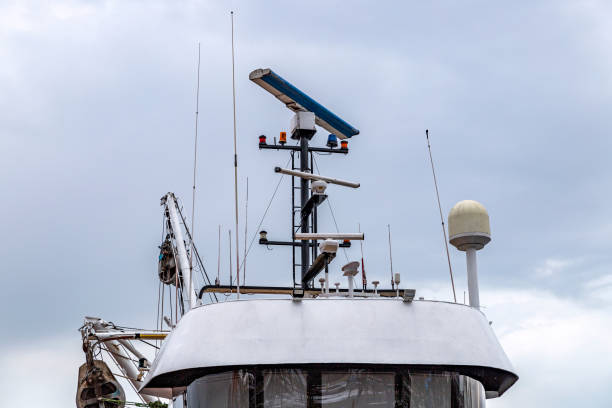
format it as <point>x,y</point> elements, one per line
<point>305,261</point>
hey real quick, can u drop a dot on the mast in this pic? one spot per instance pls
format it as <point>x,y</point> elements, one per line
<point>305,262</point>
<point>307,113</point>
<point>183,260</point>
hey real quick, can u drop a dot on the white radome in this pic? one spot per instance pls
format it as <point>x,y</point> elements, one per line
<point>468,225</point>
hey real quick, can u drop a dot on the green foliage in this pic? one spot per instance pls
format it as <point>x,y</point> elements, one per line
<point>154,404</point>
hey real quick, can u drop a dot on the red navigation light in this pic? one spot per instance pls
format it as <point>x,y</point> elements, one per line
<point>283,138</point>
<point>262,139</point>
<point>344,144</point>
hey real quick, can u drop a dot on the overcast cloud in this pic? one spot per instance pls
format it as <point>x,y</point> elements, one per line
<point>96,124</point>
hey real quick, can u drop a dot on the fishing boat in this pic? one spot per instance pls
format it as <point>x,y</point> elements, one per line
<point>312,344</point>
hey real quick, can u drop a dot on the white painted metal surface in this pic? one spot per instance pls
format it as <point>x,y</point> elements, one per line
<point>183,260</point>
<point>123,360</point>
<point>357,331</point>
<point>472,275</point>
<point>311,176</point>
<point>303,236</point>
<point>303,121</point>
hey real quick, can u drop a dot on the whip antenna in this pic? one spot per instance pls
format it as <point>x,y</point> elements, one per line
<point>229,232</point>
<point>450,268</point>
<point>391,257</point>
<point>246,231</point>
<point>195,161</point>
<point>235,164</point>
<point>218,280</point>
<point>364,280</point>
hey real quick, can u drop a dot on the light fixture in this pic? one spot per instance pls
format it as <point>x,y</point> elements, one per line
<point>332,141</point>
<point>283,138</point>
<point>409,295</point>
<point>343,144</point>
<point>262,139</point>
<point>263,236</point>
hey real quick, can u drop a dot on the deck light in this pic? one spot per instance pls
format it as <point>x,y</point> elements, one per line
<point>332,141</point>
<point>283,138</point>
<point>343,144</point>
<point>262,139</point>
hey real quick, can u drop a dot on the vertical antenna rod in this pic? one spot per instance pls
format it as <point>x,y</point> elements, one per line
<point>364,280</point>
<point>195,162</point>
<point>218,280</point>
<point>230,256</point>
<point>246,231</point>
<point>235,164</point>
<point>450,268</point>
<point>391,257</point>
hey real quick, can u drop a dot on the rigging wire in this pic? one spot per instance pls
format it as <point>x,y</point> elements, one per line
<point>199,262</point>
<point>157,322</point>
<point>331,209</point>
<point>433,172</point>
<point>112,356</point>
<point>261,220</point>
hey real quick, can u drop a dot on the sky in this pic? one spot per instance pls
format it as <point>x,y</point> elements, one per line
<point>97,102</point>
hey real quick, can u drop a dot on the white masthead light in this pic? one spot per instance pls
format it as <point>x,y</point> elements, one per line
<point>469,231</point>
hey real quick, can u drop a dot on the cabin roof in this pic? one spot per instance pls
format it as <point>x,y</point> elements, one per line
<point>335,331</point>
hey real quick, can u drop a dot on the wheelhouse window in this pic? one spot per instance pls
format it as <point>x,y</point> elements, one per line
<point>340,388</point>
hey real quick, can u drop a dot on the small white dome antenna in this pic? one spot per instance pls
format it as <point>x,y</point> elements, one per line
<point>469,231</point>
<point>375,283</point>
<point>350,270</point>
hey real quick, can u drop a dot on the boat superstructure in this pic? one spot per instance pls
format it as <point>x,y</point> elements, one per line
<point>304,345</point>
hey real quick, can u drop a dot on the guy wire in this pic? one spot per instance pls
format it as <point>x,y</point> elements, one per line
<point>450,268</point>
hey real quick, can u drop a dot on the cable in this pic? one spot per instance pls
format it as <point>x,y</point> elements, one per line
<point>450,268</point>
<point>331,209</point>
<point>264,214</point>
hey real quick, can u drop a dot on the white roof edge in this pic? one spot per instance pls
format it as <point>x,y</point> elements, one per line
<point>355,331</point>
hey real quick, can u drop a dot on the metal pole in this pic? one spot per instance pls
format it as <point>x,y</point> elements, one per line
<point>184,263</point>
<point>125,362</point>
<point>304,198</point>
<point>472,273</point>
<point>391,257</point>
<point>235,167</point>
<point>327,278</point>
